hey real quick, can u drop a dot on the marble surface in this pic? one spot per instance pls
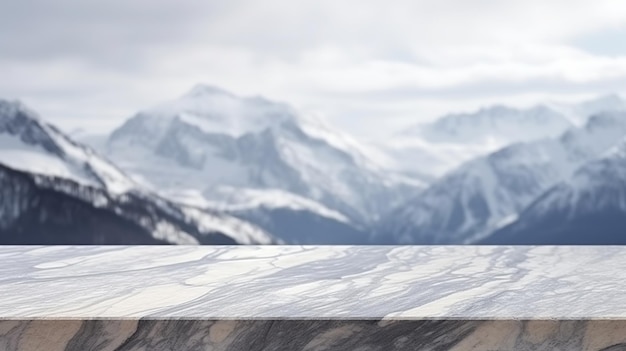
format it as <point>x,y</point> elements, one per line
<point>324,282</point>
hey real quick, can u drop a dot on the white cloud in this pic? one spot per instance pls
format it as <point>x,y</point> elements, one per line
<point>357,61</point>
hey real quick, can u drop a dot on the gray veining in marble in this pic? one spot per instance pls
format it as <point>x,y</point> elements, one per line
<point>312,335</point>
<point>325,282</point>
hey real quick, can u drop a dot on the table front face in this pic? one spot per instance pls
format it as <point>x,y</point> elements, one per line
<point>312,282</point>
<point>317,335</point>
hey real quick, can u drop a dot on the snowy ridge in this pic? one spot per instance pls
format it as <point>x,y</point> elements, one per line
<point>230,199</point>
<point>573,192</point>
<point>29,144</point>
<point>589,207</point>
<point>214,110</point>
<point>366,156</point>
<point>470,202</point>
<point>432,149</point>
<point>425,160</point>
<point>71,202</point>
<point>438,147</point>
<point>19,155</point>
<point>579,113</point>
<point>290,218</point>
<point>242,231</point>
<point>499,125</point>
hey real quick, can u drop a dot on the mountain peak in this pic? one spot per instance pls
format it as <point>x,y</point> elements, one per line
<point>206,90</point>
<point>493,125</point>
<point>8,103</point>
<point>210,110</point>
<point>18,121</point>
<point>605,118</point>
<point>10,108</point>
<point>27,143</point>
<point>608,102</point>
<point>496,109</point>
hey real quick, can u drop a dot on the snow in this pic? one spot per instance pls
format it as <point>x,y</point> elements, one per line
<point>608,167</point>
<point>229,199</point>
<point>239,230</point>
<point>429,159</point>
<point>75,161</point>
<point>506,221</point>
<point>367,156</point>
<point>18,155</point>
<point>48,152</point>
<point>253,143</point>
<point>167,232</point>
<point>507,181</point>
<point>579,113</point>
<point>497,124</point>
<point>618,151</point>
<point>596,185</point>
<point>317,166</point>
<point>167,173</point>
<point>216,111</point>
<point>433,149</point>
<point>114,180</point>
<point>237,199</point>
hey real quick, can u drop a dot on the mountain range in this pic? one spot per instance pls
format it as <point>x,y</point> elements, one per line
<point>481,195</point>
<point>57,191</point>
<point>428,150</point>
<point>588,207</point>
<point>212,167</point>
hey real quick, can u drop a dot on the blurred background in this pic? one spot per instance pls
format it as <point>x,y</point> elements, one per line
<point>312,122</point>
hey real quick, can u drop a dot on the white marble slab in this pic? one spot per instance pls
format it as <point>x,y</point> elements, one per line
<point>323,282</point>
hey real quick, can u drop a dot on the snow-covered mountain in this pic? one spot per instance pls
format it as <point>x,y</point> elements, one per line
<point>487,192</point>
<point>210,138</point>
<point>587,208</point>
<point>579,113</point>
<point>434,148</point>
<point>425,161</point>
<point>57,191</point>
<point>499,125</point>
<point>215,168</point>
<point>29,144</point>
<point>292,218</point>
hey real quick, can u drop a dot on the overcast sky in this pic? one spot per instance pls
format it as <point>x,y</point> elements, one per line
<point>369,66</point>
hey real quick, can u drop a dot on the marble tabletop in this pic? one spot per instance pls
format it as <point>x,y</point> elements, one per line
<point>312,282</point>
